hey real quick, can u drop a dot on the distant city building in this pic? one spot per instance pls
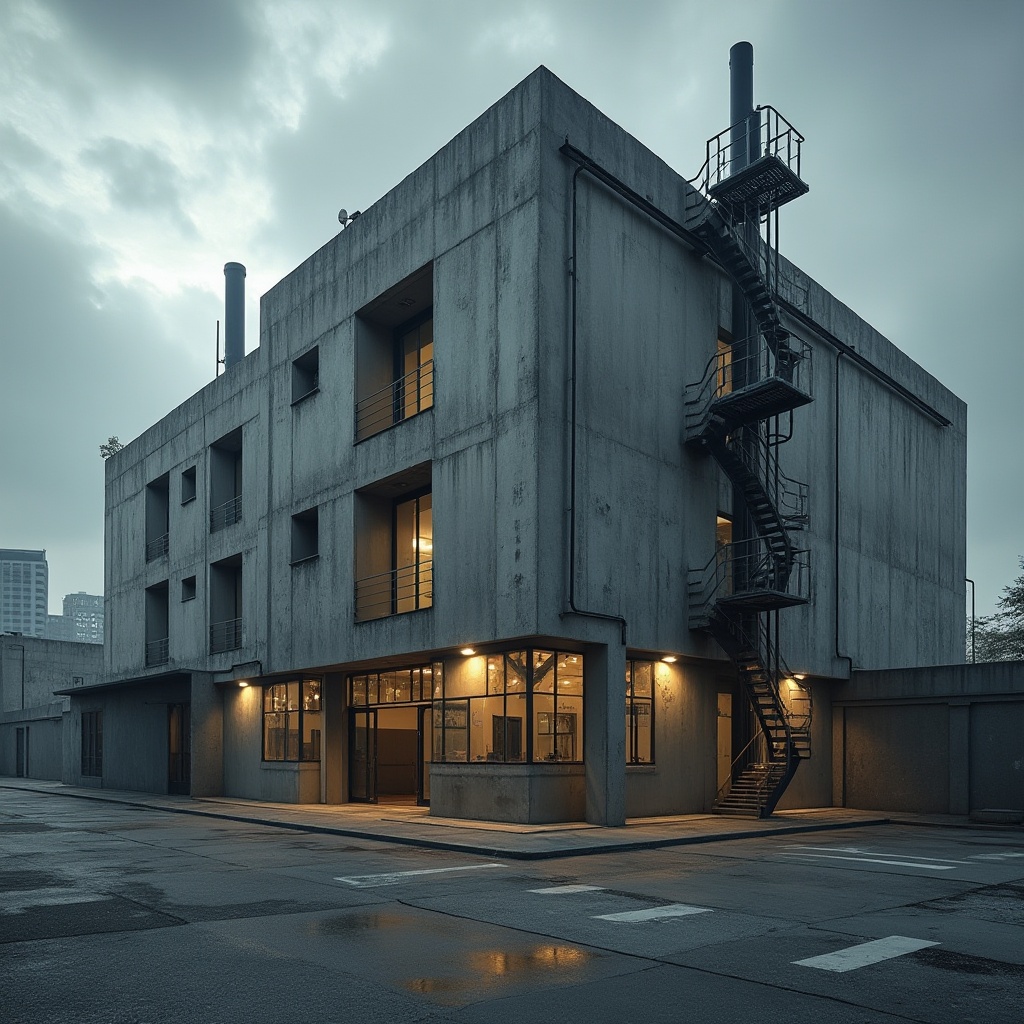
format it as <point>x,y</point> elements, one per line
<point>82,621</point>
<point>84,614</point>
<point>24,579</point>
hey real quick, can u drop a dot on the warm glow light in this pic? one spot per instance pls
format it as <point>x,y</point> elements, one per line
<point>799,675</point>
<point>669,659</point>
<point>242,683</point>
<point>467,651</point>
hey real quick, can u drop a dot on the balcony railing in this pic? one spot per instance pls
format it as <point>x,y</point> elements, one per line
<point>225,636</point>
<point>392,593</point>
<point>157,652</point>
<point>226,514</point>
<point>156,548</point>
<point>402,398</point>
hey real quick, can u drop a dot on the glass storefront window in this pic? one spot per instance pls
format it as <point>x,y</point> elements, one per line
<point>640,712</point>
<point>292,721</point>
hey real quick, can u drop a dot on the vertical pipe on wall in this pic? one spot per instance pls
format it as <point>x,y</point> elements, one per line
<point>234,313</point>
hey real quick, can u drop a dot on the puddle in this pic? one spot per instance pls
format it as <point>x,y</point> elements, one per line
<point>364,921</point>
<point>491,965</point>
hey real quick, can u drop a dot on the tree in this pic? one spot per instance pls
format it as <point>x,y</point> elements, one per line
<point>112,445</point>
<point>1000,637</point>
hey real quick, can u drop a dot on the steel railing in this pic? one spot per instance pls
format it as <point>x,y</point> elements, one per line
<point>224,515</point>
<point>750,567</point>
<point>399,400</point>
<point>390,593</point>
<point>225,636</point>
<point>157,651</point>
<point>764,133</point>
<point>743,365</point>
<point>158,547</point>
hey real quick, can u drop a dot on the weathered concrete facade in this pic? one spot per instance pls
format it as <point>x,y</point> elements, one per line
<point>947,739</point>
<point>33,718</point>
<point>478,243</point>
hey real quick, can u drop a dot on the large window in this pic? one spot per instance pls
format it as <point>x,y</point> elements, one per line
<point>395,355</point>
<point>512,707</point>
<point>92,743</point>
<point>291,721</point>
<point>397,686</point>
<point>414,554</point>
<point>640,712</point>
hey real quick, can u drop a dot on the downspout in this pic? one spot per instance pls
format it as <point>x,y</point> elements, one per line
<point>837,499</point>
<point>573,608</point>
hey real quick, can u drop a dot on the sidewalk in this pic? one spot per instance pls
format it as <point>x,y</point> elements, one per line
<point>413,826</point>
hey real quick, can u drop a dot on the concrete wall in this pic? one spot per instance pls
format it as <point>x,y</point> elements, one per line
<point>948,739</point>
<point>135,736</point>
<point>44,730</point>
<point>32,668</point>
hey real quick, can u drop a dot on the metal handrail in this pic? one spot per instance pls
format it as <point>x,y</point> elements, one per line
<point>405,589</point>
<point>390,405</point>
<point>225,636</point>
<point>779,139</point>
<point>759,739</point>
<point>157,651</point>
<point>767,569</point>
<point>158,547</point>
<point>224,515</point>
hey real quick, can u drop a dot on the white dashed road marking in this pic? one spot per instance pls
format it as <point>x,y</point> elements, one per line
<point>394,877</point>
<point>654,913</point>
<point>557,890</point>
<point>875,860</point>
<point>865,953</point>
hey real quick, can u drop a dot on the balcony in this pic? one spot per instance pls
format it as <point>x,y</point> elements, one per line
<point>225,636</point>
<point>401,399</point>
<point>157,652</point>
<point>157,548</point>
<point>224,515</point>
<point>392,593</point>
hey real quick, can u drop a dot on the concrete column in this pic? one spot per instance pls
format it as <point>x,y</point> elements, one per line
<point>960,758</point>
<point>604,730</point>
<point>207,712</point>
<point>839,757</point>
<point>334,742</point>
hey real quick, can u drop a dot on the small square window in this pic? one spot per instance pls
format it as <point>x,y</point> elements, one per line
<point>188,588</point>
<point>306,535</point>
<point>306,375</point>
<point>188,485</point>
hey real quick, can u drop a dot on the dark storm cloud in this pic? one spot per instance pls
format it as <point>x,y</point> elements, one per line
<point>201,48</point>
<point>140,179</point>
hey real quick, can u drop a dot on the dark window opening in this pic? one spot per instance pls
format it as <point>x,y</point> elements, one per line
<point>306,535</point>
<point>226,481</point>
<point>188,485</point>
<point>157,517</point>
<point>188,588</point>
<point>226,605</point>
<point>306,375</point>
<point>157,631</point>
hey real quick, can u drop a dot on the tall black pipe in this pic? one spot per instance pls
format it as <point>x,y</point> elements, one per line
<point>741,104</point>
<point>234,313</point>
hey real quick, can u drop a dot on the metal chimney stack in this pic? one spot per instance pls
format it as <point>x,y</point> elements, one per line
<point>745,136</point>
<point>234,314</point>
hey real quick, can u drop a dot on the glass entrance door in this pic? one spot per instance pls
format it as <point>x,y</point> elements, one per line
<point>362,778</point>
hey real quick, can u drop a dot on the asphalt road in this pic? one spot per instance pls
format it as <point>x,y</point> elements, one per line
<point>121,915</point>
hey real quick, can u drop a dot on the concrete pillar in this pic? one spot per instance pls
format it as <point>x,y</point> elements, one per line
<point>960,758</point>
<point>604,730</point>
<point>207,714</point>
<point>334,745</point>
<point>839,757</point>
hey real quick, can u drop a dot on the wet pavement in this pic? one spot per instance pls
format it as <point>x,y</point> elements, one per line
<point>415,826</point>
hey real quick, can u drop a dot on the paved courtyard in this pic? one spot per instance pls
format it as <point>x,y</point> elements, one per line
<point>124,914</point>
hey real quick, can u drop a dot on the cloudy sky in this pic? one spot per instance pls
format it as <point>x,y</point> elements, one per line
<point>144,143</point>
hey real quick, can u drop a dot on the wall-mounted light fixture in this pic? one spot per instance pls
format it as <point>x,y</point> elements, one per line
<point>670,659</point>
<point>467,652</point>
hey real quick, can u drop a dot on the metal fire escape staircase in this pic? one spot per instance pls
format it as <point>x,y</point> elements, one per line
<point>735,413</point>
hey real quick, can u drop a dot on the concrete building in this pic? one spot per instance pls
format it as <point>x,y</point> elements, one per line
<point>23,591</point>
<point>499,517</point>
<point>33,743</point>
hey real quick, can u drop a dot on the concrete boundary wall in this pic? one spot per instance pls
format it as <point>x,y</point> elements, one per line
<point>947,739</point>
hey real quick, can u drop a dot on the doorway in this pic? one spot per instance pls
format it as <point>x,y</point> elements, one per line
<point>179,749</point>
<point>21,753</point>
<point>724,739</point>
<point>389,755</point>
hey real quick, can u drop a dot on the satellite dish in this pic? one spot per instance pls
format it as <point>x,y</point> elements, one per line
<point>342,216</point>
